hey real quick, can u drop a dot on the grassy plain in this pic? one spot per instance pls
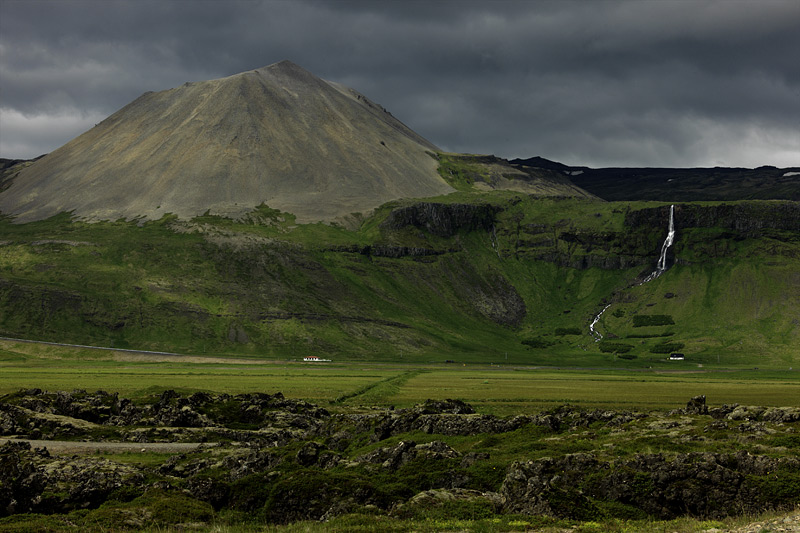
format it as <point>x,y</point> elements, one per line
<point>495,389</point>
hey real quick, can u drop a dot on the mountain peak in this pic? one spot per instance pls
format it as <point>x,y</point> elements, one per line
<point>284,65</point>
<point>286,68</point>
<point>277,135</point>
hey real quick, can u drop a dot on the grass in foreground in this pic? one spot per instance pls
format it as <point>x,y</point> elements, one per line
<point>161,517</point>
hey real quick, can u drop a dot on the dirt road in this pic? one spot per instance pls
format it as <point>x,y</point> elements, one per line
<point>64,447</point>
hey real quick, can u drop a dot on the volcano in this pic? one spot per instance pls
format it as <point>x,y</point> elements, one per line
<point>278,136</point>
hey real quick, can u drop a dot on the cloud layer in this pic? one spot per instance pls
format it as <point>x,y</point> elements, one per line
<point>601,83</point>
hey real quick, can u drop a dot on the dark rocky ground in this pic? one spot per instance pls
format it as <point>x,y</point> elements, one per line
<point>278,460</point>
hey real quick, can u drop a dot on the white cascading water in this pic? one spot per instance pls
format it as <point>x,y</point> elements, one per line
<point>661,267</point>
<point>596,334</point>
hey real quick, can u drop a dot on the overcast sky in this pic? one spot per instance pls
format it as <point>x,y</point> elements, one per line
<point>598,83</point>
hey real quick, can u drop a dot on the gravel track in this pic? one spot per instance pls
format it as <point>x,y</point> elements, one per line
<point>66,447</point>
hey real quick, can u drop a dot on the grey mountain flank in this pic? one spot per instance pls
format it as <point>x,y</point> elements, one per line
<point>278,136</point>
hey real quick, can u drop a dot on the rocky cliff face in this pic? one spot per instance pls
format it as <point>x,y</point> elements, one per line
<point>749,219</point>
<point>644,230</point>
<point>443,220</point>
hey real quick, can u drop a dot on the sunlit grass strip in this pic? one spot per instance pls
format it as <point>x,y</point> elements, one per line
<point>137,379</point>
<point>490,389</point>
<point>506,392</point>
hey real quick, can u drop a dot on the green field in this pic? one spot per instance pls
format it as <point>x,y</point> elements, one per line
<point>495,389</point>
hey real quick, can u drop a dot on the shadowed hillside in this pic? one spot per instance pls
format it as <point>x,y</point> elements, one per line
<point>677,184</point>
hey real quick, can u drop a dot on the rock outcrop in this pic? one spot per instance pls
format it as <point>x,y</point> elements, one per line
<point>700,484</point>
<point>443,220</point>
<point>289,460</point>
<point>749,219</point>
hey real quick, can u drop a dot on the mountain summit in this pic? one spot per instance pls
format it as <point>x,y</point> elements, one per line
<point>277,135</point>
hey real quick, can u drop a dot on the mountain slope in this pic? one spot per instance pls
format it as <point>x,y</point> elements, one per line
<point>276,135</point>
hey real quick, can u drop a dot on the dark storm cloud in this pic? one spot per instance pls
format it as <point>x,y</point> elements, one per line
<point>672,83</point>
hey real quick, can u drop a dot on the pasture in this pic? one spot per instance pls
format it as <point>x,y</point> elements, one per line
<point>491,389</point>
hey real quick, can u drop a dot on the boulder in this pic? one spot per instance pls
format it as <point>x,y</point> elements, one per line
<point>429,500</point>
<point>697,406</point>
<point>22,482</point>
<point>700,484</point>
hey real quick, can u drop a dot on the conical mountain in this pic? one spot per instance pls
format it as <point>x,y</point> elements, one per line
<point>277,135</point>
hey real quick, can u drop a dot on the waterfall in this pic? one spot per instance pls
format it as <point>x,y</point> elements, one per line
<point>493,239</point>
<point>661,266</point>
<point>596,334</point>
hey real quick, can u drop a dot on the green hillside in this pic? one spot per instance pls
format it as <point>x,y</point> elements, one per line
<point>475,276</point>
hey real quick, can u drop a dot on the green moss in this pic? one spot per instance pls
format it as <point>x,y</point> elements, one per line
<point>153,510</point>
<point>776,489</point>
<point>572,503</point>
<point>250,493</point>
<point>26,523</point>
<point>619,510</point>
<point>470,509</point>
<point>289,496</point>
<point>786,441</point>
